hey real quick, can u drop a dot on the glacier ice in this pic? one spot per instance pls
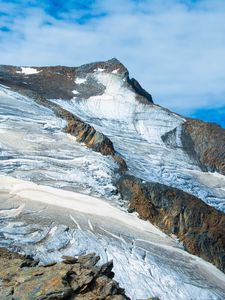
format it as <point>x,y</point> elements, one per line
<point>136,130</point>
<point>34,149</point>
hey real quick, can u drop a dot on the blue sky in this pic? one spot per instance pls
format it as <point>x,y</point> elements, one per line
<point>175,48</point>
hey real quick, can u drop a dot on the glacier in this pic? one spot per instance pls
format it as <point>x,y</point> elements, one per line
<point>136,130</point>
<point>47,223</point>
<point>46,177</point>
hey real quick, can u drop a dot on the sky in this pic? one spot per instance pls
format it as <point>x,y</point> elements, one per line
<point>174,48</point>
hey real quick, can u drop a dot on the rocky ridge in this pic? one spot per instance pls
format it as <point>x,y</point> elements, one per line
<point>198,226</point>
<point>59,82</point>
<point>74,278</point>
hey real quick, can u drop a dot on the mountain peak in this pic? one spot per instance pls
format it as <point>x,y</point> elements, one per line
<point>62,82</point>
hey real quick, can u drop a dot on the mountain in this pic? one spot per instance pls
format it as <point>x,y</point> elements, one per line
<point>84,150</point>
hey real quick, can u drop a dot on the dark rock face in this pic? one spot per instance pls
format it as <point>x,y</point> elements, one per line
<point>203,142</point>
<point>199,226</point>
<point>21,278</point>
<point>51,82</point>
<point>139,90</point>
<point>208,142</point>
<point>88,135</point>
<point>170,140</point>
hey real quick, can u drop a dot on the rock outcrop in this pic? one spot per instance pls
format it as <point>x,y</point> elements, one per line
<point>204,143</point>
<point>199,226</point>
<point>208,142</point>
<point>140,91</point>
<point>74,278</point>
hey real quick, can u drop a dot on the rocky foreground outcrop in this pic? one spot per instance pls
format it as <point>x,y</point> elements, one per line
<point>74,278</point>
<point>199,226</point>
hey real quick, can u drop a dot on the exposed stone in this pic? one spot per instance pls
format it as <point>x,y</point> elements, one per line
<point>208,142</point>
<point>69,259</point>
<point>140,91</point>
<point>199,226</point>
<point>76,279</point>
<point>89,136</point>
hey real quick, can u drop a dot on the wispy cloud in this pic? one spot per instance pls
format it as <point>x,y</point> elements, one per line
<point>174,48</point>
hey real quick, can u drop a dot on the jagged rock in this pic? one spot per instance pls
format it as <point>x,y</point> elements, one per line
<point>76,279</point>
<point>199,226</point>
<point>90,137</point>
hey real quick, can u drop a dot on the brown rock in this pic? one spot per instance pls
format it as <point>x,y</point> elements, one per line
<point>208,142</point>
<point>199,226</point>
<point>76,279</point>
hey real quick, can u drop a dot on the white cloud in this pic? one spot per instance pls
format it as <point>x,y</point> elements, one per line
<point>176,51</point>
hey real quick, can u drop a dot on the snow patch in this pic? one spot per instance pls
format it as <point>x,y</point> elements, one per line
<point>99,70</point>
<point>115,71</point>
<point>53,230</point>
<point>74,201</point>
<point>80,80</point>
<point>75,92</point>
<point>28,71</point>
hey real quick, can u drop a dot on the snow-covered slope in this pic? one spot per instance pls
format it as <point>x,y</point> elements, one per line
<point>136,130</point>
<point>59,197</point>
<point>146,261</point>
<point>33,147</point>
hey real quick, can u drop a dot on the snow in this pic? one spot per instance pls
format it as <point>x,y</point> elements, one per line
<point>12,212</point>
<point>53,230</point>
<point>75,92</point>
<point>136,131</point>
<point>99,70</point>
<point>28,71</point>
<point>74,201</point>
<point>115,71</point>
<point>54,178</point>
<point>80,80</point>
<point>146,261</point>
<point>34,147</point>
